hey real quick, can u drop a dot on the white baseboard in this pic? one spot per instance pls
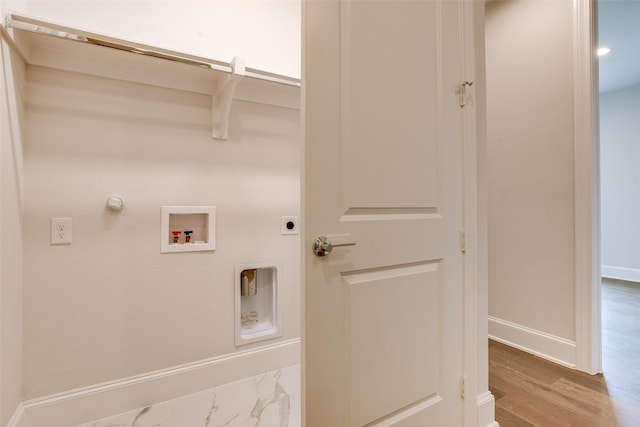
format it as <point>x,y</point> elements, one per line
<point>17,419</point>
<point>103,400</point>
<point>621,273</point>
<point>558,350</point>
<point>486,410</point>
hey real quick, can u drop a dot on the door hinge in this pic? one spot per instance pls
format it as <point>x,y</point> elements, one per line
<point>463,241</point>
<point>462,91</point>
<point>463,383</point>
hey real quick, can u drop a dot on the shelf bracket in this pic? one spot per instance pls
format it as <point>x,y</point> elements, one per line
<point>223,98</point>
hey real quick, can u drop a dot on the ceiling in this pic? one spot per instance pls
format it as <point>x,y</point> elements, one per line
<point>619,30</point>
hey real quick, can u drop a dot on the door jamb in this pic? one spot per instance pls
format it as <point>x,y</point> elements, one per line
<point>479,404</point>
<point>587,188</point>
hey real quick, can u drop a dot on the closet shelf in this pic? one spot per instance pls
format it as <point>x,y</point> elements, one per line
<point>47,44</point>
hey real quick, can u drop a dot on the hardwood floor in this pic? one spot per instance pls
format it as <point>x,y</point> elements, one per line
<point>531,391</point>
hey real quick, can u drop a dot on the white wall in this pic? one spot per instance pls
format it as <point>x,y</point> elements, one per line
<point>111,305</point>
<point>620,175</point>
<point>11,193</point>
<point>14,5</point>
<point>530,175</point>
<point>266,33</point>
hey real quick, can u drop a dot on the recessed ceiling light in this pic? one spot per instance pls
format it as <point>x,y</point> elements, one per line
<point>603,51</point>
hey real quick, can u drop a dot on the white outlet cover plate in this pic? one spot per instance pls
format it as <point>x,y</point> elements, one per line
<point>296,224</point>
<point>61,231</point>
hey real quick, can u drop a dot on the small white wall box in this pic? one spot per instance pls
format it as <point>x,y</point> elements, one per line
<point>187,228</point>
<point>257,302</point>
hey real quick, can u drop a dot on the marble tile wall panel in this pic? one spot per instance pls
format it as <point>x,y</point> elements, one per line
<point>267,400</point>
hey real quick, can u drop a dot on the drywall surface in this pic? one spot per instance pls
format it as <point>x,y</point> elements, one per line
<point>620,175</point>
<point>14,5</point>
<point>530,165</point>
<point>266,33</point>
<point>110,305</point>
<point>11,193</point>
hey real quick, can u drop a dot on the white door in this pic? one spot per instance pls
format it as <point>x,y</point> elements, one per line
<point>384,320</point>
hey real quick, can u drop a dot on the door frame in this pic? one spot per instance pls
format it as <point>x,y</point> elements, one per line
<point>587,187</point>
<point>479,406</point>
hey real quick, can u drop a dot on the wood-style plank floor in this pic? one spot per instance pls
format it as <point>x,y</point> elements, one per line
<point>531,391</point>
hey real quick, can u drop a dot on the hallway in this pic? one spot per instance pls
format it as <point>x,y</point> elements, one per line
<point>530,391</point>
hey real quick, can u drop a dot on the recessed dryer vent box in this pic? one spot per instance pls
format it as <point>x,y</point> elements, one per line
<point>188,228</point>
<point>257,302</point>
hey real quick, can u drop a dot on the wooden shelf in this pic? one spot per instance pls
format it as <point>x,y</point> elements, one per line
<point>62,48</point>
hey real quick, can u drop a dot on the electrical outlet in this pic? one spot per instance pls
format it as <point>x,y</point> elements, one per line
<point>60,231</point>
<point>289,225</point>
